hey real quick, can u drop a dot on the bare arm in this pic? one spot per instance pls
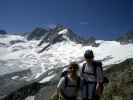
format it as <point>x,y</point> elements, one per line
<point>60,88</point>
<point>99,86</point>
<point>61,97</point>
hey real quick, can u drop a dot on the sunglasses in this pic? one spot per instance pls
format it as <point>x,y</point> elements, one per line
<point>73,68</point>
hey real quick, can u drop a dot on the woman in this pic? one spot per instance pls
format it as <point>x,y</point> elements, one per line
<point>68,85</point>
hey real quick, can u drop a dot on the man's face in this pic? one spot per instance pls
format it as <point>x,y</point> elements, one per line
<point>89,60</point>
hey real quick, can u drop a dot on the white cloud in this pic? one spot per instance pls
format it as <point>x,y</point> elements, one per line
<point>51,25</point>
<point>84,23</point>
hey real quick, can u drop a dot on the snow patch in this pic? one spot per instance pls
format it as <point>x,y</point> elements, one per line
<point>30,98</point>
<point>15,77</point>
<point>64,31</point>
<point>47,79</point>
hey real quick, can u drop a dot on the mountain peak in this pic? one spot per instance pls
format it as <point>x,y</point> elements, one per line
<point>64,33</point>
<point>127,38</point>
<point>56,34</point>
<point>3,32</point>
<point>37,33</point>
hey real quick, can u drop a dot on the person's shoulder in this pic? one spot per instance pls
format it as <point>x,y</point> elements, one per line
<point>98,62</point>
<point>82,65</point>
<point>65,69</point>
<point>62,78</point>
<point>61,82</point>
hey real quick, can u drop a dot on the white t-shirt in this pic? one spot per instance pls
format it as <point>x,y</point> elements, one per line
<point>91,78</point>
<point>90,69</point>
<point>67,90</point>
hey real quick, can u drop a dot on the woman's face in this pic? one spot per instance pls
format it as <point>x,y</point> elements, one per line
<point>73,69</point>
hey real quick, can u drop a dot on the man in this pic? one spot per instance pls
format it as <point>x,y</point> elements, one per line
<point>91,77</point>
<point>68,85</point>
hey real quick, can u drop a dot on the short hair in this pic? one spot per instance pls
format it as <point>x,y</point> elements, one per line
<point>88,54</point>
<point>74,64</point>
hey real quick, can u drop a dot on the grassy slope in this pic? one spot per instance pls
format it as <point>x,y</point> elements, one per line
<point>120,86</point>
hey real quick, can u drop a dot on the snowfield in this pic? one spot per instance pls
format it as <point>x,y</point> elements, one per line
<point>24,55</point>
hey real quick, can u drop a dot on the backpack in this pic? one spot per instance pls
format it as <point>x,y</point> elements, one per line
<point>64,74</point>
<point>77,86</point>
<point>95,64</point>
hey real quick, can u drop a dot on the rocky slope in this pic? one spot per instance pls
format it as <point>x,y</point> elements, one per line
<point>120,86</point>
<point>126,38</point>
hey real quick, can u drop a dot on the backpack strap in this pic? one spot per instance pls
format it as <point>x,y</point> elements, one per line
<point>67,85</point>
<point>94,69</point>
<point>66,81</point>
<point>64,73</point>
<point>95,65</point>
<point>77,84</point>
<point>83,68</point>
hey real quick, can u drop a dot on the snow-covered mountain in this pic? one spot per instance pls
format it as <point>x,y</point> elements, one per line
<point>57,34</point>
<point>53,50</point>
<point>37,33</point>
<point>23,54</point>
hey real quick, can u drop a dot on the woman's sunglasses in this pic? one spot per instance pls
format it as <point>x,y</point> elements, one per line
<point>75,68</point>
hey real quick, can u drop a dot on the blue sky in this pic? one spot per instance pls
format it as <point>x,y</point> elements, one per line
<point>103,19</point>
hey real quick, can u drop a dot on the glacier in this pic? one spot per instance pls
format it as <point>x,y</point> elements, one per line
<point>24,55</point>
<point>21,60</point>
